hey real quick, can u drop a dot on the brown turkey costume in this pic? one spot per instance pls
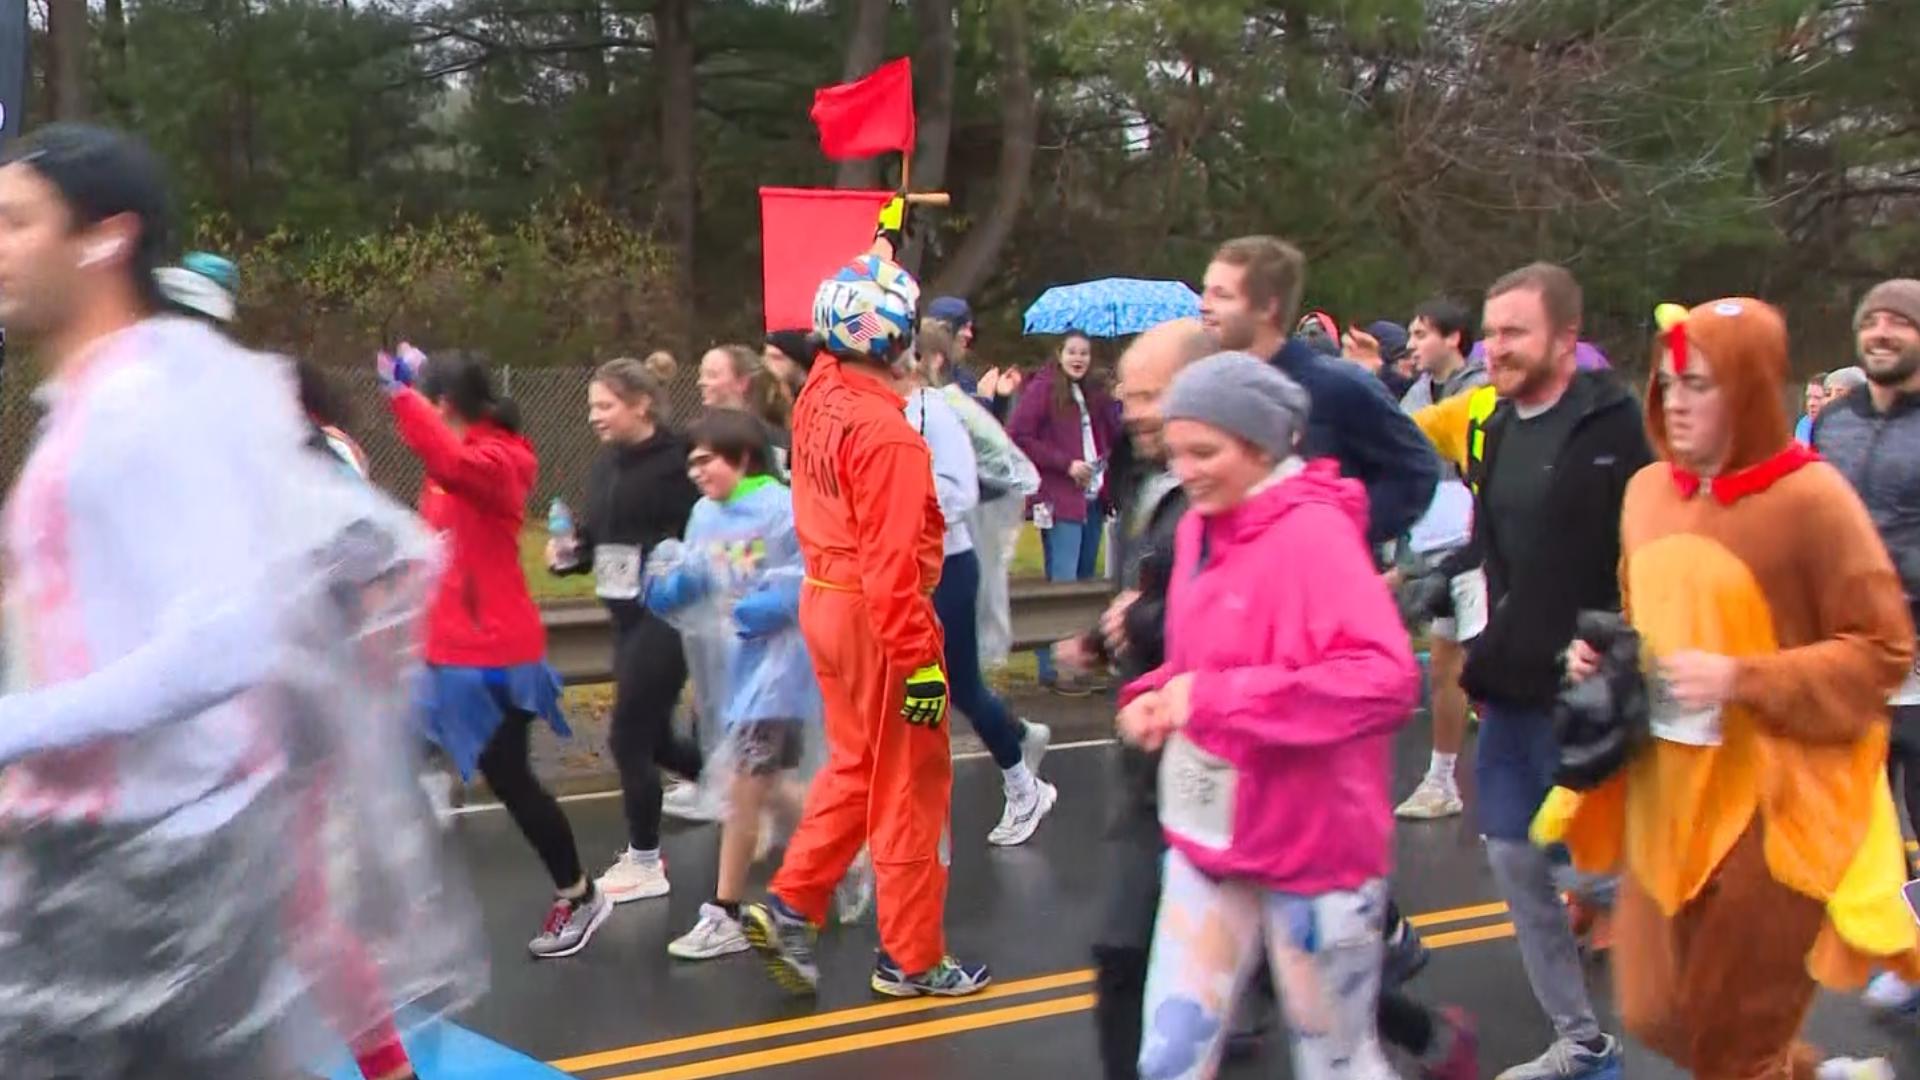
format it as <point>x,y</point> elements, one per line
<point>1757,845</point>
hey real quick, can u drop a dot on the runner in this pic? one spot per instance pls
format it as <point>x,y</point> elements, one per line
<point>870,531</point>
<point>207,642</point>
<point>203,286</point>
<point>1007,479</point>
<point>1016,745</point>
<point>638,495</point>
<point>734,587</point>
<point>1440,334</point>
<point>1773,625</point>
<point>1558,450</point>
<point>1874,440</point>
<point>1130,636</point>
<point>1068,426</point>
<point>488,678</point>
<point>1287,672</point>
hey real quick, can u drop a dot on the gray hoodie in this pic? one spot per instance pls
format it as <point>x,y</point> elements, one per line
<point>1470,375</point>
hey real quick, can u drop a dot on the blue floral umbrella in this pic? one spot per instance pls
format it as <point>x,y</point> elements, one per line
<point>1111,307</point>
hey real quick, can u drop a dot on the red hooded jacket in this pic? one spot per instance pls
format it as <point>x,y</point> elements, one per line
<point>475,497</point>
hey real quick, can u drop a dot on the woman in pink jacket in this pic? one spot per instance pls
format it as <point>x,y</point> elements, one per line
<point>1287,674</point>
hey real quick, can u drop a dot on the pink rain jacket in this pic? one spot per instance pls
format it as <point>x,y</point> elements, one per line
<point>1302,674</point>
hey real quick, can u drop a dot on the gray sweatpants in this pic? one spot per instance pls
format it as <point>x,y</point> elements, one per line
<point>1524,875</point>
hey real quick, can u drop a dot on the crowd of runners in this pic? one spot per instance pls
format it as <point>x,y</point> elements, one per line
<point>1683,625</point>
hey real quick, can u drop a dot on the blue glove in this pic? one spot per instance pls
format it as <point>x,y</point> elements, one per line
<point>676,590</point>
<point>761,613</point>
<point>400,367</point>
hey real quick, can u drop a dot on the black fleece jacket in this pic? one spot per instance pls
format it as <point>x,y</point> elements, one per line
<point>639,495</point>
<point>1574,565</point>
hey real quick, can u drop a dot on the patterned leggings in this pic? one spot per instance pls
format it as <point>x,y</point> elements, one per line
<point>1325,954</point>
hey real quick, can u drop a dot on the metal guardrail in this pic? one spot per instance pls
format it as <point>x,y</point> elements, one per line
<point>580,635</point>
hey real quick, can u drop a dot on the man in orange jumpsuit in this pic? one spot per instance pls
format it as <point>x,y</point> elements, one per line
<point>870,530</point>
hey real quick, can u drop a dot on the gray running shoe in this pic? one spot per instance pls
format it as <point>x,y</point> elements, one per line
<point>785,943</point>
<point>570,926</point>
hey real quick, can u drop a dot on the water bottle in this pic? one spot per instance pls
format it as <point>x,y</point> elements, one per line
<point>560,532</point>
<point>560,521</point>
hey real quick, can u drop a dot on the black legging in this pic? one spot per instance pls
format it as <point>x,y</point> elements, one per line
<point>1903,762</point>
<point>508,768</point>
<point>649,671</point>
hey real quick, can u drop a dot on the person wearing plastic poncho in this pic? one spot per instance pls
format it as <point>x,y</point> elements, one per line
<point>1006,478</point>
<point>732,589</point>
<point>208,642</point>
<point>1016,745</point>
<point>203,287</point>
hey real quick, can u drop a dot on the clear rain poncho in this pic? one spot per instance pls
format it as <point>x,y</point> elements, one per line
<point>737,554</point>
<point>214,858</point>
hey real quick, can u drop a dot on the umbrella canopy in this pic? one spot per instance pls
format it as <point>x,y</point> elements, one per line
<point>1586,355</point>
<point>1111,307</point>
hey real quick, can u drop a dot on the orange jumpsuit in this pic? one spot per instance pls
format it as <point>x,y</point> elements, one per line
<point>870,531</point>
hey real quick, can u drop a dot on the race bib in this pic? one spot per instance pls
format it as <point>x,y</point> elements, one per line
<point>1909,692</point>
<point>1695,727</point>
<point>1197,794</point>
<point>1469,592</point>
<point>616,571</point>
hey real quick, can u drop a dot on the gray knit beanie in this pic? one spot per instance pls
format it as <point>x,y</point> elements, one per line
<point>1846,380</point>
<point>1244,395</point>
<point>1899,295</point>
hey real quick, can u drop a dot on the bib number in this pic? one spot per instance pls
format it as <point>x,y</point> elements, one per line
<point>616,572</point>
<point>1469,604</point>
<point>1688,727</point>
<point>1197,794</point>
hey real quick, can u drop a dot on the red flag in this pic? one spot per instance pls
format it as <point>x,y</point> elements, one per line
<point>806,234</point>
<point>868,116</point>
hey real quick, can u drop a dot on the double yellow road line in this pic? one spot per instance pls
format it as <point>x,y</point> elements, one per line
<point>974,1019</point>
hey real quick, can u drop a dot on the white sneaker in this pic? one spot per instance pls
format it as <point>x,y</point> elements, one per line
<point>1854,1069</point>
<point>1566,1060</point>
<point>1432,800</point>
<point>1034,740</point>
<point>439,788</point>
<point>715,935</point>
<point>1023,815</point>
<point>1890,993</point>
<point>691,802</point>
<point>570,926</point>
<point>853,897</point>
<point>630,879</point>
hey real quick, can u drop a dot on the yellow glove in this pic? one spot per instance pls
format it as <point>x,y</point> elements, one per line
<point>926,703</point>
<point>1556,814</point>
<point>891,226</point>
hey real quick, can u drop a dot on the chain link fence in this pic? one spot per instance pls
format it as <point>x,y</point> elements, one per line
<point>553,407</point>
